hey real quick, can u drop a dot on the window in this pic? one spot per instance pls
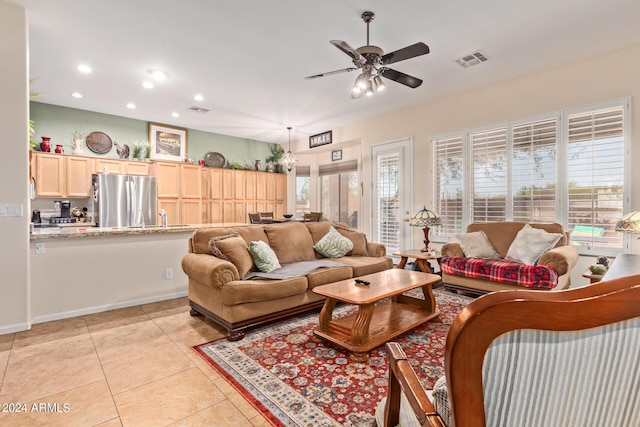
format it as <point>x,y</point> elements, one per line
<point>339,189</point>
<point>303,187</point>
<point>529,170</point>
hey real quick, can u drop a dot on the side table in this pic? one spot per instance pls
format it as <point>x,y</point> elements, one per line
<point>420,257</point>
<point>593,278</point>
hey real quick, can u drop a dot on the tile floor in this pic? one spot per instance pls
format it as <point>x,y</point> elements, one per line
<point>127,367</point>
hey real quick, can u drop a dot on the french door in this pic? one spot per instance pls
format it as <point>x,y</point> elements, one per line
<point>391,196</point>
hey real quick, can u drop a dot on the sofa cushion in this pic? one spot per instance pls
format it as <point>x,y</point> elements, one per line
<point>363,265</point>
<point>290,241</point>
<point>202,236</point>
<point>264,257</point>
<point>530,243</point>
<point>503,271</point>
<point>245,291</point>
<point>358,239</point>
<point>333,244</point>
<point>233,248</point>
<point>477,245</point>
<point>502,233</point>
<point>323,276</point>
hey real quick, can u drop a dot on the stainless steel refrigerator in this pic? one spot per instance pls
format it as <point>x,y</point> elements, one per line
<point>124,200</point>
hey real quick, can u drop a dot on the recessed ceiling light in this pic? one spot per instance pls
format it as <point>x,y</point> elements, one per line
<point>198,97</point>
<point>147,84</point>
<point>84,68</point>
<point>76,95</point>
<point>158,75</point>
<point>174,114</point>
<point>131,105</point>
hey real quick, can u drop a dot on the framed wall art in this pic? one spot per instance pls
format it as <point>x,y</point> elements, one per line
<point>323,138</point>
<point>167,142</point>
<point>336,155</point>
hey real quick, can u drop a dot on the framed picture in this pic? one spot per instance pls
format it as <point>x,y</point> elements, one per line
<point>336,155</point>
<point>167,142</point>
<point>323,138</point>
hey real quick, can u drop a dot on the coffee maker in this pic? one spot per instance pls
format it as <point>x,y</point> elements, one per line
<point>65,209</point>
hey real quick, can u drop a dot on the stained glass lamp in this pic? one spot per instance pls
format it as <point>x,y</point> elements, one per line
<point>425,218</point>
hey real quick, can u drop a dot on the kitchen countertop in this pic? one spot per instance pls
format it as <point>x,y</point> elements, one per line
<point>67,231</point>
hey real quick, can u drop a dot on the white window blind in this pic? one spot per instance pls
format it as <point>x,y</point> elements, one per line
<point>489,179</point>
<point>448,185</point>
<point>388,203</point>
<point>596,176</point>
<point>533,172</point>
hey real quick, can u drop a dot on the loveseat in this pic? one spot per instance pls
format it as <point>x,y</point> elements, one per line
<point>226,286</point>
<point>541,258</point>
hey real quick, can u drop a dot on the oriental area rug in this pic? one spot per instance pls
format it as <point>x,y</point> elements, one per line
<point>295,381</point>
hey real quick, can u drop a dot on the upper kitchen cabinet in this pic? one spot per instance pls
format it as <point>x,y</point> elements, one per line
<point>78,176</point>
<point>190,187</point>
<point>59,175</point>
<point>137,168</point>
<point>102,165</point>
<point>168,178</point>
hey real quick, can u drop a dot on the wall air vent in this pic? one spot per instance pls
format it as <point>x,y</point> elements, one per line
<point>198,109</point>
<point>472,59</point>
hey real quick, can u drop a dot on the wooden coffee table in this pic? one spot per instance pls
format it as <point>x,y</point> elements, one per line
<point>373,325</point>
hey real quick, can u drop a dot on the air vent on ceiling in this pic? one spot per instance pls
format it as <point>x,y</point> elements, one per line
<point>472,59</point>
<point>198,109</point>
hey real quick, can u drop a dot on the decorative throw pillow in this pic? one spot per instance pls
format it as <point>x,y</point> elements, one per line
<point>477,245</point>
<point>264,257</point>
<point>333,244</point>
<point>358,239</point>
<point>232,248</point>
<point>530,243</point>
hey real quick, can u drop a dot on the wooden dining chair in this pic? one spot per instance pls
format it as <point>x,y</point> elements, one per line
<point>254,218</point>
<point>530,358</point>
<point>312,217</point>
<point>266,217</point>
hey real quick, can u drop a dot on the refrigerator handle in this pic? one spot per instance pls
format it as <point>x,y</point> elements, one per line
<point>135,209</point>
<point>130,216</point>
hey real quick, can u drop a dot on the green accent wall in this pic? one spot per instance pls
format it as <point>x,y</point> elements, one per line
<point>59,123</point>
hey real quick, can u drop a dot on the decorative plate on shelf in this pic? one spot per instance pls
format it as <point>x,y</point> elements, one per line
<point>214,160</point>
<point>99,142</point>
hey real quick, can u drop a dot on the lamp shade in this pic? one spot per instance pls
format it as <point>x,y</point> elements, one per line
<point>425,218</point>
<point>630,223</point>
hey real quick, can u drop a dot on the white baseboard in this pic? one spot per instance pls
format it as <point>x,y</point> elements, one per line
<point>100,309</point>
<point>18,327</point>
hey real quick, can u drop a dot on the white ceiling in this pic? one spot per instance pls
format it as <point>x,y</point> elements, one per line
<point>249,57</point>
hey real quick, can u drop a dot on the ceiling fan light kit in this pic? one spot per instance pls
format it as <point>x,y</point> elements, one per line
<point>373,62</point>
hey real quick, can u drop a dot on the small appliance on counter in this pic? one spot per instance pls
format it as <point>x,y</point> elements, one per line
<point>36,218</point>
<point>65,209</point>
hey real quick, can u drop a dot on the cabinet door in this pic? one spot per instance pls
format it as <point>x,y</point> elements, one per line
<point>250,185</point>
<point>240,212</point>
<point>216,183</point>
<point>190,211</point>
<point>172,208</point>
<point>228,184</point>
<point>137,168</point>
<point>281,187</point>
<point>217,215</point>
<point>111,165</point>
<point>78,176</point>
<point>239,184</point>
<point>261,186</point>
<point>190,181</point>
<point>168,178</point>
<point>205,183</point>
<point>228,211</point>
<point>281,209</point>
<point>50,175</point>
<point>271,186</point>
<point>251,207</point>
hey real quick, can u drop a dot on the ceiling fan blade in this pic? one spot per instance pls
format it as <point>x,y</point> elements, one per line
<point>354,54</point>
<point>330,73</point>
<point>402,78</point>
<point>405,53</point>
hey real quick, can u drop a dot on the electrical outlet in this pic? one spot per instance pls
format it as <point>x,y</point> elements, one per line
<point>168,273</point>
<point>41,248</point>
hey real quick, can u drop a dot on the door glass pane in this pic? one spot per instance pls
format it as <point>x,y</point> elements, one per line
<point>303,184</point>
<point>388,205</point>
<point>340,197</point>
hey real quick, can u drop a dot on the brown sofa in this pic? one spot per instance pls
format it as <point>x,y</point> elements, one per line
<point>217,291</point>
<point>562,258</point>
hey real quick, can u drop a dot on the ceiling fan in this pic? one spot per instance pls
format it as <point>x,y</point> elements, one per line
<point>373,62</point>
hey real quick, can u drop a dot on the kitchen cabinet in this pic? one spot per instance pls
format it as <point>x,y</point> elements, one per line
<point>228,184</point>
<point>172,208</point>
<point>261,186</point>
<point>251,179</point>
<point>168,178</point>
<point>239,178</point>
<point>111,165</point>
<point>281,187</point>
<point>49,174</point>
<point>78,176</point>
<point>190,211</point>
<point>216,209</point>
<point>190,182</point>
<point>138,168</point>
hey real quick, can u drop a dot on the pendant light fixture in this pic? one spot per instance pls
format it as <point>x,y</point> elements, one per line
<point>289,161</point>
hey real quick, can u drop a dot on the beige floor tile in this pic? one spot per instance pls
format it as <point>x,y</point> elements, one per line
<point>141,368</point>
<point>168,400</point>
<point>41,370</point>
<point>115,318</point>
<point>4,359</point>
<point>51,331</point>
<point>111,423</point>
<point>83,406</point>
<point>167,308</point>
<point>236,398</point>
<point>188,331</point>
<point>6,342</point>
<point>260,421</point>
<point>211,373</point>
<point>223,414</point>
<point>124,341</point>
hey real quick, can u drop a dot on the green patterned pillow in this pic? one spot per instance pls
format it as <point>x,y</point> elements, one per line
<point>333,244</point>
<point>264,257</point>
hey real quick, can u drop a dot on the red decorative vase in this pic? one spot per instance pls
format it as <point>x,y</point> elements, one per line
<point>59,149</point>
<point>45,145</point>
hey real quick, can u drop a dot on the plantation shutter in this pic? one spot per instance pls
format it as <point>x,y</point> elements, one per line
<point>388,203</point>
<point>489,179</point>
<point>596,176</point>
<point>534,171</point>
<point>448,185</point>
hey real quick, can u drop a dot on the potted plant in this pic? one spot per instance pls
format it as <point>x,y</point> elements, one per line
<point>277,152</point>
<point>147,151</point>
<point>137,149</point>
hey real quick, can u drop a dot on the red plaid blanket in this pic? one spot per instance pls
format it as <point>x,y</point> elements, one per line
<point>501,270</point>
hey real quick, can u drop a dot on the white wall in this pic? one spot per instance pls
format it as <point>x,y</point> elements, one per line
<point>14,172</point>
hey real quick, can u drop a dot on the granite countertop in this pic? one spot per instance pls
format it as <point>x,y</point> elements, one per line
<point>84,231</point>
